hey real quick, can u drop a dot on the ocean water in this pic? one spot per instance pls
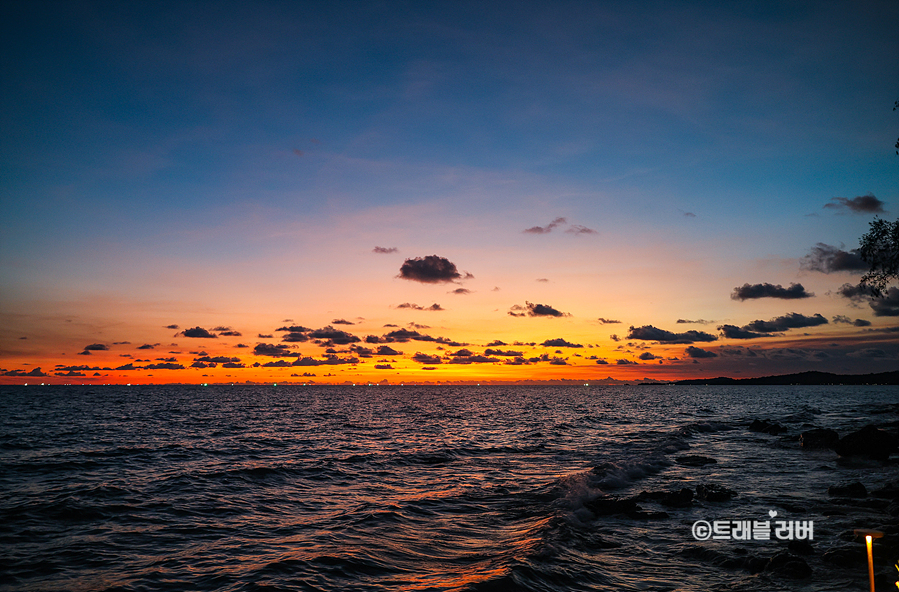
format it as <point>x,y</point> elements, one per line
<point>424,488</point>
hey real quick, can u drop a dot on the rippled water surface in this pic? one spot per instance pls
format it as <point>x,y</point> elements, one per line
<point>416,488</point>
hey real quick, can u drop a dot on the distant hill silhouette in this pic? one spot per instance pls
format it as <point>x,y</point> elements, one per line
<point>803,378</point>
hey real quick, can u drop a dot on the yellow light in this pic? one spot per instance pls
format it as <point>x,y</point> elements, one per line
<point>868,540</point>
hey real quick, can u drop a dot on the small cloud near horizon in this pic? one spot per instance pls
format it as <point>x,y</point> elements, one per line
<point>863,204</point>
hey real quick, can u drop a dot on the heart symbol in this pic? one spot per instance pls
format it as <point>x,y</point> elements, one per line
<point>772,513</point>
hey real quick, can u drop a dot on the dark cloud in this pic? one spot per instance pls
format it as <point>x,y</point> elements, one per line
<point>385,250</point>
<point>545,280</point>
<point>294,329</point>
<point>847,321</point>
<point>275,351</point>
<point>856,293</point>
<point>145,346</point>
<point>386,350</point>
<point>334,336</point>
<point>863,204</point>
<point>262,336</point>
<point>614,337</point>
<point>197,332</point>
<point>499,352</point>
<point>164,366</point>
<point>577,230</point>
<point>433,307</point>
<point>648,356</point>
<point>328,361</point>
<point>828,259</point>
<point>342,322</point>
<point>688,214</point>
<point>383,367</point>
<point>560,343</point>
<point>888,305</point>
<point>175,327</point>
<point>430,270</point>
<point>558,362</point>
<point>241,345</point>
<point>277,364</point>
<point>121,343</point>
<point>871,352</point>
<point>536,310</point>
<point>35,373</point>
<point>295,338</point>
<point>460,291</point>
<point>127,367</point>
<point>426,359</point>
<point>217,359</point>
<point>233,365</point>
<point>697,352</point>
<point>766,290</point>
<point>496,343</point>
<point>650,333</point>
<point>623,362</point>
<point>696,322</point>
<point>231,333</point>
<point>603,321</point>
<point>791,320</point>
<point>602,361</point>
<point>96,347</point>
<point>545,229</point>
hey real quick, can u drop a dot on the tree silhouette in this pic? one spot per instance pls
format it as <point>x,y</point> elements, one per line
<point>880,249</point>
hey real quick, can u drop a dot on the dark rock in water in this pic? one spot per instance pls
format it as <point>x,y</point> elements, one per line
<point>766,427</point>
<point>854,556</point>
<point>848,490</point>
<point>818,439</point>
<point>694,460</point>
<point>712,492</point>
<point>647,515</point>
<point>890,492</point>
<point>868,441</point>
<point>678,499</point>
<point>789,565</point>
<point>755,565</point>
<point>606,506</point>
<point>801,547</point>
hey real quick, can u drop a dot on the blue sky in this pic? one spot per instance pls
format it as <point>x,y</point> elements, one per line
<point>171,155</point>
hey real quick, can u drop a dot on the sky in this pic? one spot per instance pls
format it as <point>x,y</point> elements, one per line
<point>341,191</point>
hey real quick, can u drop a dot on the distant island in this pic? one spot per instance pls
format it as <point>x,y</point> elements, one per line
<point>808,378</point>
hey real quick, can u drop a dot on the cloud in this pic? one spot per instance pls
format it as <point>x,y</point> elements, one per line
<point>847,321</point>
<point>35,372</point>
<point>870,352</point>
<point>386,350</point>
<point>145,346</point>
<point>385,250</point>
<point>696,322</point>
<point>888,305</point>
<point>864,204</point>
<point>734,332</point>
<point>791,320</point>
<point>96,347</point>
<point>334,336</point>
<point>545,229</point>
<point>697,352</point>
<point>648,356</point>
<point>603,321</point>
<point>277,364</point>
<point>383,367</point>
<point>172,327</point>
<point>766,290</point>
<point>650,333</point>
<point>294,329</point>
<point>328,361</point>
<point>498,352</point>
<point>198,332</point>
<point>461,291</point>
<point>497,343</point>
<point>623,362</point>
<point>229,333</point>
<point>544,280</point>
<point>342,322</point>
<point>277,351</point>
<point>164,366</point>
<point>216,359</point>
<point>536,310</point>
<point>559,342</point>
<point>577,230</point>
<point>430,270</point>
<point>263,336</point>
<point>433,307</point>
<point>426,359</point>
<point>828,259</point>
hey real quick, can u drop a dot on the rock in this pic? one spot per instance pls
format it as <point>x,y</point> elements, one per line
<point>848,490</point>
<point>787,564</point>
<point>693,460</point>
<point>712,492</point>
<point>868,441</point>
<point>766,427</point>
<point>606,506</point>
<point>854,556</point>
<point>818,439</point>
<point>678,499</point>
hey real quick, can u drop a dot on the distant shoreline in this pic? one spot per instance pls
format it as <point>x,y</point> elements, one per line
<point>800,378</point>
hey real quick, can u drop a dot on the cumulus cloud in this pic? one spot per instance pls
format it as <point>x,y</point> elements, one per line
<point>175,327</point>
<point>791,320</point>
<point>331,360</point>
<point>499,352</point>
<point>559,342</point>
<point>536,310</point>
<point>145,346</point>
<point>412,306</point>
<point>624,362</point>
<point>888,305</point>
<point>847,321</point>
<point>295,337</point>
<point>385,250</point>
<point>342,322</point>
<point>766,290</point>
<point>650,333</point>
<point>430,270</point>
<point>829,259</point>
<point>426,359</point>
<point>603,321</point>
<point>96,347</point>
<point>648,356</point>
<point>198,332</point>
<point>863,204</point>
<point>383,367</point>
<point>460,291</point>
<point>35,373</point>
<point>274,350</point>
<point>545,229</point>
<point>294,329</point>
<point>331,336</point>
<point>697,352</point>
<point>386,350</point>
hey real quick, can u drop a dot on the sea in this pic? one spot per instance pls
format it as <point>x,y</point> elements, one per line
<point>438,488</point>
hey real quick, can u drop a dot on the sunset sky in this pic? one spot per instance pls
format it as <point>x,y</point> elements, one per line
<point>368,191</point>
